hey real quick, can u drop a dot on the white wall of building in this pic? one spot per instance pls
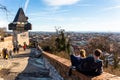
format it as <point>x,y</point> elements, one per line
<point>23,37</point>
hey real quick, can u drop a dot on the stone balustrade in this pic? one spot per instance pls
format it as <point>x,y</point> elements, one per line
<point>62,66</point>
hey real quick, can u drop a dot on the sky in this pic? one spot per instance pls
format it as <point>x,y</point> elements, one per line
<point>71,15</point>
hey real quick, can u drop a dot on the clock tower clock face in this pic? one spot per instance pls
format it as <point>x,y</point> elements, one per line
<point>23,35</point>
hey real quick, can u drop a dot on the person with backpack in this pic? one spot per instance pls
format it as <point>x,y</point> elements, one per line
<point>10,53</point>
<point>6,53</point>
<point>24,47</point>
<point>92,65</point>
<point>14,50</point>
<point>17,48</point>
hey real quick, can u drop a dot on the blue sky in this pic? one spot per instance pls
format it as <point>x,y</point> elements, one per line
<point>71,15</point>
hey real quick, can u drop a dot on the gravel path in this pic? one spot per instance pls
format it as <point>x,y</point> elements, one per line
<point>23,67</point>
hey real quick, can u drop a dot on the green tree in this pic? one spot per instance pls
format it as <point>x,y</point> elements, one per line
<point>61,43</point>
<point>68,46</point>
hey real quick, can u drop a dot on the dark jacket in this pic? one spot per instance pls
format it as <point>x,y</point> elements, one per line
<point>91,67</point>
<point>74,60</point>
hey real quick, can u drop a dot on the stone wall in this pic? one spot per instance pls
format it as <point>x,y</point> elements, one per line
<point>7,43</point>
<point>62,66</point>
<point>52,71</point>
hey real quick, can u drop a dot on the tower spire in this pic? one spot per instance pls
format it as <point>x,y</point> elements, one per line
<point>20,16</point>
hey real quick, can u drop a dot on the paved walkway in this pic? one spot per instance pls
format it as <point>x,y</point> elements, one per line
<point>23,67</point>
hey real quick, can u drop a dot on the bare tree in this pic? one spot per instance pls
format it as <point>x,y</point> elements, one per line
<point>3,29</point>
<point>116,53</point>
<point>101,42</point>
<point>2,7</point>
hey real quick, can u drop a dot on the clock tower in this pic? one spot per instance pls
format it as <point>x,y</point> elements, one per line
<point>20,27</point>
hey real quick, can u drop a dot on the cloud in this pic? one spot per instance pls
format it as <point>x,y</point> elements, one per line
<point>59,3</point>
<point>117,0</point>
<point>26,5</point>
<point>49,12</point>
<point>3,23</point>
<point>111,8</point>
<point>85,5</point>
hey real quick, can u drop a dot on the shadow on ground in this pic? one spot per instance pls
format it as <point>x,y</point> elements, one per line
<point>21,55</point>
<point>35,69</point>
